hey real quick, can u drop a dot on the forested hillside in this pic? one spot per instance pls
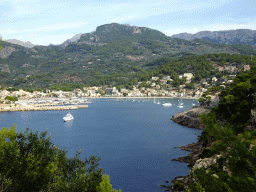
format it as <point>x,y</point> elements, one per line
<point>230,139</point>
<point>106,56</point>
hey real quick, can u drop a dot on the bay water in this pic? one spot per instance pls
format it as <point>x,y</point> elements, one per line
<point>134,138</point>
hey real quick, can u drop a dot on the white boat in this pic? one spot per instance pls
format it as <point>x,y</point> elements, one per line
<point>158,102</point>
<point>68,117</point>
<point>193,103</point>
<point>167,104</point>
<point>180,104</point>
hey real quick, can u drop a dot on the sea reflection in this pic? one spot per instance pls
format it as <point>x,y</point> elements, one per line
<point>68,123</point>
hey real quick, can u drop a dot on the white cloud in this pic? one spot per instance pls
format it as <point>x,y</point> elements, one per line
<point>23,10</point>
<point>45,28</point>
<point>125,18</point>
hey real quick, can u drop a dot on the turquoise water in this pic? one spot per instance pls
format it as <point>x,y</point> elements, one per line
<point>134,140</point>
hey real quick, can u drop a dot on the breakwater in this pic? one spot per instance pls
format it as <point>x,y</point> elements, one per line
<point>40,108</point>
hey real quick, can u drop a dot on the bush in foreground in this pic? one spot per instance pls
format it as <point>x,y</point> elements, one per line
<point>32,163</point>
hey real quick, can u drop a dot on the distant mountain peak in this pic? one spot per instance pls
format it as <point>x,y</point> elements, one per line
<point>21,43</point>
<point>73,39</point>
<point>116,26</point>
<point>244,36</point>
<point>111,32</point>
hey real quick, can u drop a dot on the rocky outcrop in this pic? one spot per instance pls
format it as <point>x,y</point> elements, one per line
<point>191,117</point>
<point>18,42</point>
<point>5,68</point>
<point>6,52</point>
<point>195,148</point>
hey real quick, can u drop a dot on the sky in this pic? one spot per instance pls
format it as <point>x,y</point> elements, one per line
<point>45,22</point>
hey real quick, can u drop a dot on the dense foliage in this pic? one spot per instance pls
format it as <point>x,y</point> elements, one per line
<point>230,128</point>
<point>29,162</point>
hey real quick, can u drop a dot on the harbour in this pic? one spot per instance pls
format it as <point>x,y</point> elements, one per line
<point>135,140</point>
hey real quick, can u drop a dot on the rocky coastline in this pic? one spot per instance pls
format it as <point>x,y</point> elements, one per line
<point>189,118</point>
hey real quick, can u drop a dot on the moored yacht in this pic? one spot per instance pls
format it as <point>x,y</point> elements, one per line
<point>167,104</point>
<point>68,117</point>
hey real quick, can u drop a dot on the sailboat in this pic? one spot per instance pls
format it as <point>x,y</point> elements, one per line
<point>193,103</point>
<point>154,100</point>
<point>180,103</point>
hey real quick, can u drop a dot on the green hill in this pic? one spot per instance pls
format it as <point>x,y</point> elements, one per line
<point>111,50</point>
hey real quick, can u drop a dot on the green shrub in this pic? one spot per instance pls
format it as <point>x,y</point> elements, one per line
<point>178,186</point>
<point>11,98</point>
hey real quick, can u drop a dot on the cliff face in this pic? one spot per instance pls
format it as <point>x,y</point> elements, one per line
<point>191,117</point>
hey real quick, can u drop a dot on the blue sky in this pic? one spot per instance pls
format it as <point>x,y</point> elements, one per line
<point>53,21</point>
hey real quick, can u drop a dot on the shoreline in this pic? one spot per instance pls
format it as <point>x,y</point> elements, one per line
<point>111,97</point>
<point>195,149</point>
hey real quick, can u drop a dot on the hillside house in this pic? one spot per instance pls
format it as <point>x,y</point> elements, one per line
<point>173,93</point>
<point>188,81</point>
<point>220,68</point>
<point>115,92</point>
<point>197,93</point>
<point>16,94</point>
<point>109,91</point>
<point>166,77</point>
<point>231,69</point>
<point>153,84</point>
<point>232,76</point>
<point>204,90</point>
<point>91,93</point>
<point>214,79</point>
<point>247,67</point>
<point>188,75</point>
<point>163,82</point>
<point>182,86</point>
<point>124,90</point>
<point>4,93</point>
<point>155,78</point>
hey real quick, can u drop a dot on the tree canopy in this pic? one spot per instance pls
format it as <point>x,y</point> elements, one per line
<point>29,162</point>
<point>230,131</point>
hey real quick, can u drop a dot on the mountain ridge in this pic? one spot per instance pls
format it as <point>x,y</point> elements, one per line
<point>109,50</point>
<point>27,44</point>
<point>230,37</point>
